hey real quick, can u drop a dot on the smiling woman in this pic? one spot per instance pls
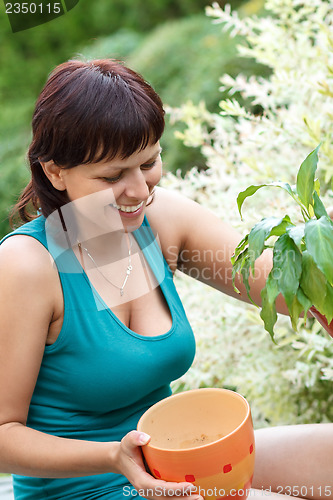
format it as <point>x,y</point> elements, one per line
<point>92,329</point>
<point>96,294</point>
<point>129,182</point>
<point>72,125</point>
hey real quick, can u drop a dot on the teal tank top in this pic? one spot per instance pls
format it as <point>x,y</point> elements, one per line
<point>99,376</point>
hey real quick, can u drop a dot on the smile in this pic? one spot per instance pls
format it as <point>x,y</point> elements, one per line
<point>128,208</point>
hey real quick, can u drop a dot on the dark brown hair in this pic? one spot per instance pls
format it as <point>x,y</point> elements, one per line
<point>87,112</point>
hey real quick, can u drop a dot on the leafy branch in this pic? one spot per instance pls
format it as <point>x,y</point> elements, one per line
<point>302,268</point>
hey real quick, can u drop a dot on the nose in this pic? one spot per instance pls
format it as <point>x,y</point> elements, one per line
<point>136,185</point>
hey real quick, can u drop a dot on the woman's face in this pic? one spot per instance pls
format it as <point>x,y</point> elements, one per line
<point>117,190</point>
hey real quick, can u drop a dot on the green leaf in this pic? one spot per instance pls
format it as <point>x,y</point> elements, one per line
<point>328,303</point>
<point>282,227</point>
<point>242,266</point>
<point>287,267</point>
<point>251,190</point>
<point>285,186</point>
<point>313,282</point>
<point>305,178</point>
<point>319,243</point>
<point>293,189</point>
<point>318,206</point>
<point>238,264</point>
<point>317,186</point>
<point>236,267</point>
<point>261,231</point>
<point>240,247</point>
<point>295,310</point>
<point>299,304</point>
<point>245,194</point>
<point>296,233</point>
<point>303,300</point>
<point>245,272</point>
<point>268,310</point>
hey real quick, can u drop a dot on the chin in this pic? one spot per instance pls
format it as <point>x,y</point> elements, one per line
<point>133,225</point>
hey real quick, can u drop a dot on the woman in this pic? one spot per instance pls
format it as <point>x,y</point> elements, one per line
<point>92,330</point>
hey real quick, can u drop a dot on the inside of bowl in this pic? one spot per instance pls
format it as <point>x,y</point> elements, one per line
<point>194,419</point>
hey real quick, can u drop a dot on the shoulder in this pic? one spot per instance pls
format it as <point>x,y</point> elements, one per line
<point>171,200</point>
<point>172,217</point>
<point>172,211</point>
<point>26,253</point>
<point>25,264</point>
<point>27,306</point>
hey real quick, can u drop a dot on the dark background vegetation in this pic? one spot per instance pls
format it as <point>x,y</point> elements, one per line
<point>172,43</point>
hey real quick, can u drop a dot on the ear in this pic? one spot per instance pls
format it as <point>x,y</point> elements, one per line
<point>54,174</point>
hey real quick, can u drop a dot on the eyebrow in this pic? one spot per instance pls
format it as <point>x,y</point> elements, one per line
<point>149,160</point>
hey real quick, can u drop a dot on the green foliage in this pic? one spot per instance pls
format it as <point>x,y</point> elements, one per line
<point>289,382</point>
<point>173,58</point>
<point>294,101</point>
<point>118,46</point>
<point>34,52</point>
<point>302,267</point>
<point>286,114</point>
<point>305,179</point>
<point>14,140</point>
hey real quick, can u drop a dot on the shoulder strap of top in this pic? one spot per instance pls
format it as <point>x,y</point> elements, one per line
<point>144,235</point>
<point>49,235</point>
<point>34,228</point>
<point>147,241</point>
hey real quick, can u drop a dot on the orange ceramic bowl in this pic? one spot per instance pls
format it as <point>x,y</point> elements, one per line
<point>203,436</point>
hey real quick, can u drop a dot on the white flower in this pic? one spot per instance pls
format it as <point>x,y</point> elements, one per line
<point>291,383</point>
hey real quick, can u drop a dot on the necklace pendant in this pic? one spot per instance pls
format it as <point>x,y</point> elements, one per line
<point>128,269</point>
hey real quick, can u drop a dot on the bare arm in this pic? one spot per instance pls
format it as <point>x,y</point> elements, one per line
<point>27,307</point>
<point>204,245</point>
<point>26,311</point>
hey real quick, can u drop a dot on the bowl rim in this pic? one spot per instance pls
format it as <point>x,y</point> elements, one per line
<point>182,394</point>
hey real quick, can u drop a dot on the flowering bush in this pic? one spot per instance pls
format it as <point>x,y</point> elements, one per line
<point>289,114</point>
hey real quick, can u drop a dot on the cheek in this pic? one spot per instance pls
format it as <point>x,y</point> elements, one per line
<point>77,191</point>
<point>155,175</point>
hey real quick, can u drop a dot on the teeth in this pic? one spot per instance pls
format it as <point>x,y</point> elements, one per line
<point>128,209</point>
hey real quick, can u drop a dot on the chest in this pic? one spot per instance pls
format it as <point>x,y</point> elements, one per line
<point>101,361</point>
<point>147,315</point>
<point>102,366</point>
<point>140,304</point>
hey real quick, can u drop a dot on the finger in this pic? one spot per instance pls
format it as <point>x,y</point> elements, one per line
<point>134,439</point>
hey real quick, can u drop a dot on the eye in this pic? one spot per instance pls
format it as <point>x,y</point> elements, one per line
<point>147,166</point>
<point>111,180</point>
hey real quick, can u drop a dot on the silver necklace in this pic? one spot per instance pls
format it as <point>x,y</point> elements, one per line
<point>128,269</point>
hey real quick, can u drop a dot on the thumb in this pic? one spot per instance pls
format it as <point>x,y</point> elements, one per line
<point>135,438</point>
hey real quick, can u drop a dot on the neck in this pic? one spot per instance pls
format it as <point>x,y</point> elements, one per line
<point>108,247</point>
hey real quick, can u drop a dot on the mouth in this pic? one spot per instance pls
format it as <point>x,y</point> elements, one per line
<point>128,209</point>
